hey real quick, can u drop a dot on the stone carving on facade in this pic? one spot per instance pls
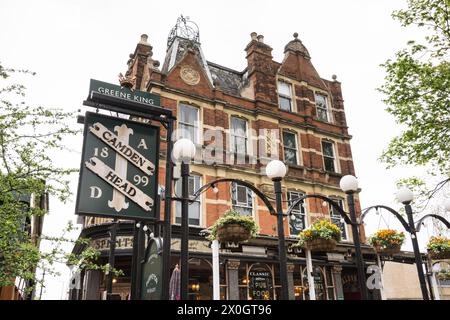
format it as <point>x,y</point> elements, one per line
<point>290,267</point>
<point>233,264</point>
<point>336,268</point>
<point>127,81</point>
<point>189,75</point>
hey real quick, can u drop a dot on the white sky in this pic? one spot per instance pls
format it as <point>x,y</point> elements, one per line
<point>69,42</point>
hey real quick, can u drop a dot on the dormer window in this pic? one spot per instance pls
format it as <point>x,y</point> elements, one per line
<point>322,107</point>
<point>285,96</point>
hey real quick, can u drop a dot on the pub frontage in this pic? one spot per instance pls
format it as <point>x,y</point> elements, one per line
<point>249,271</point>
<point>269,110</point>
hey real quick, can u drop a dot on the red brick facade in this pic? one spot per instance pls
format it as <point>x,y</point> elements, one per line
<point>256,99</point>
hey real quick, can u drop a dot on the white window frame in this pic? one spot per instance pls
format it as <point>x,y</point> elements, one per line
<point>198,200</point>
<point>335,162</point>
<point>196,125</point>
<point>327,107</point>
<point>234,199</point>
<point>338,216</point>
<point>290,97</point>
<point>296,212</point>
<point>233,134</point>
<point>297,153</point>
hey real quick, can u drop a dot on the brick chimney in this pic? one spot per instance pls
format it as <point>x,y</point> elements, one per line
<point>137,64</point>
<point>261,69</point>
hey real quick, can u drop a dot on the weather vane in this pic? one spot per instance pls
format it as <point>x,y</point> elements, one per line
<point>184,28</point>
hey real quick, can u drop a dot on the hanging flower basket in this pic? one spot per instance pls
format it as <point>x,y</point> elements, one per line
<point>232,233</point>
<point>321,236</point>
<point>387,242</point>
<point>387,251</point>
<point>443,275</point>
<point>438,255</point>
<point>321,245</point>
<point>439,248</point>
<point>233,227</point>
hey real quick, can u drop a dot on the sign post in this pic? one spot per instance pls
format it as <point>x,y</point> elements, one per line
<point>119,167</point>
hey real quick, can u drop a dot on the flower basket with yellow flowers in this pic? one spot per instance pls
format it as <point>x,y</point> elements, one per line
<point>439,248</point>
<point>387,241</point>
<point>321,236</point>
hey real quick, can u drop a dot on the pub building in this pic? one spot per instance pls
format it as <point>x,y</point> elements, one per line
<point>245,107</point>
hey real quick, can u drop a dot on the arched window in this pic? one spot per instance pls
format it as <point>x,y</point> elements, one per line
<point>200,279</point>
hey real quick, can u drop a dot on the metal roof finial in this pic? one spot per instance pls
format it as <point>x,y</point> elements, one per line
<point>184,28</point>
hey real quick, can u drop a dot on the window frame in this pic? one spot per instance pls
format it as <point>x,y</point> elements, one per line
<point>296,212</point>
<point>335,162</point>
<point>196,124</point>
<point>234,199</point>
<point>233,135</point>
<point>198,200</point>
<point>297,153</point>
<point>290,97</point>
<point>327,107</point>
<point>334,215</point>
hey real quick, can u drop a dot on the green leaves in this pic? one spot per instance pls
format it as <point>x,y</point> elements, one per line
<point>234,217</point>
<point>417,89</point>
<point>27,173</point>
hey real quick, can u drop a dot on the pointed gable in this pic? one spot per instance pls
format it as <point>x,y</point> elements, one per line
<point>297,64</point>
<point>189,74</point>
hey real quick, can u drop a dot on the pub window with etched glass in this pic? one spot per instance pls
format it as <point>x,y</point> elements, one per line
<point>290,147</point>
<point>242,199</point>
<point>238,134</point>
<point>322,107</point>
<point>297,221</point>
<point>194,184</point>
<point>329,159</point>
<point>337,219</point>
<point>188,123</point>
<point>285,96</point>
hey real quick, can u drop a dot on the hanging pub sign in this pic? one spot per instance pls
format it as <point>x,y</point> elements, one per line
<point>151,287</point>
<point>118,175</point>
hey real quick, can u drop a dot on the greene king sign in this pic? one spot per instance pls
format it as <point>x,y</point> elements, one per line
<point>118,176</point>
<point>116,91</point>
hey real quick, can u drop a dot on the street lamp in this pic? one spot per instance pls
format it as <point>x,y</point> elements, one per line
<point>184,151</point>
<point>349,184</point>
<point>405,196</point>
<point>276,170</point>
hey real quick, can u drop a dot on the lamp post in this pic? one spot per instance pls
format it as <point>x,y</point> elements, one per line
<point>276,170</point>
<point>184,151</point>
<point>405,196</point>
<point>349,184</point>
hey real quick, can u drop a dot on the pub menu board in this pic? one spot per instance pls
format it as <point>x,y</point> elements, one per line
<point>260,284</point>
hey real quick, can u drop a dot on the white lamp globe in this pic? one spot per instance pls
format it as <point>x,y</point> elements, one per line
<point>276,169</point>
<point>349,183</point>
<point>404,195</point>
<point>447,205</point>
<point>183,150</point>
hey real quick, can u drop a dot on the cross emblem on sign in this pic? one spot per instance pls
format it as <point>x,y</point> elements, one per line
<point>121,169</point>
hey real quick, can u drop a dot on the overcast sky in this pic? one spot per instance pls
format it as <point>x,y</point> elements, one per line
<point>69,42</point>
